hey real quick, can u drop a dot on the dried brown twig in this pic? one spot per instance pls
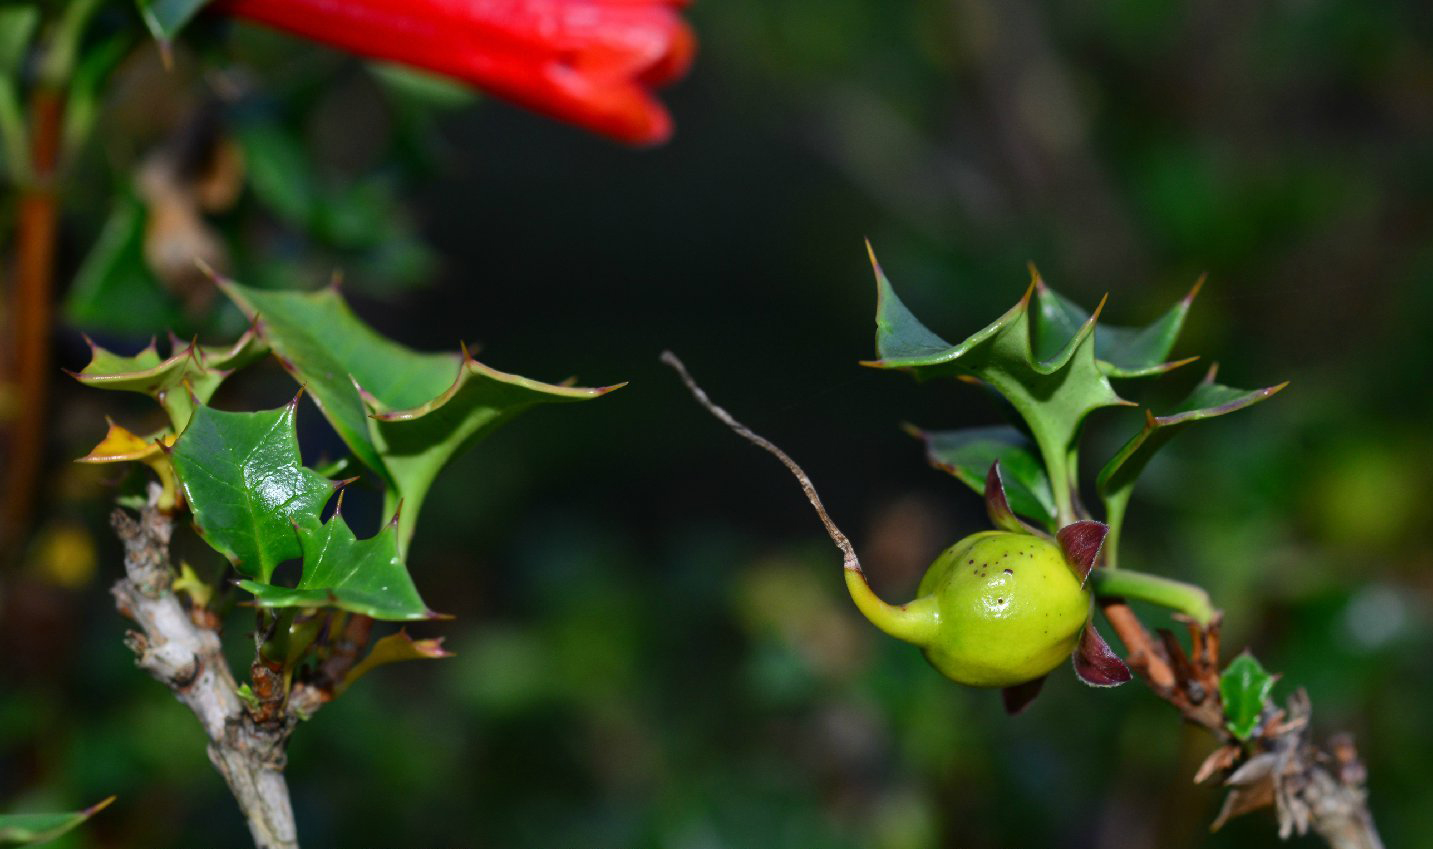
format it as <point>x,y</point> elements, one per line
<point>179,646</point>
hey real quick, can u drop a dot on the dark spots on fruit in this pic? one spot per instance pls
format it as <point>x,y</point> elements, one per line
<point>1009,571</point>
<point>1000,601</point>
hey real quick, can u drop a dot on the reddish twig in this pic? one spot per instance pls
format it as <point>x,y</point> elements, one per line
<point>32,315</point>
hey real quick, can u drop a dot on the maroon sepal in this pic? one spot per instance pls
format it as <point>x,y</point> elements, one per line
<point>1019,697</point>
<point>1081,543</point>
<point>1096,663</point>
<point>996,505</point>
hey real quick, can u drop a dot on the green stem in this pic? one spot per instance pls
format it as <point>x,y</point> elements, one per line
<point>1188,599</point>
<point>1115,518</point>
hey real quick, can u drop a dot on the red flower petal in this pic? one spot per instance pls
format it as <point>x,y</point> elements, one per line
<point>589,62</point>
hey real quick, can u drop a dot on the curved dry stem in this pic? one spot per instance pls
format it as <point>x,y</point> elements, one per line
<point>915,622</point>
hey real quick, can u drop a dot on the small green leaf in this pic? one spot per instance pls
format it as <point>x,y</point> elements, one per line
<point>969,453</point>
<point>1121,351</point>
<point>393,648</point>
<point>188,376</point>
<point>402,413</point>
<point>17,27</point>
<point>243,479</point>
<point>1245,689</point>
<point>1053,395</point>
<point>165,18</point>
<point>26,829</point>
<point>1117,479</point>
<point>365,576</point>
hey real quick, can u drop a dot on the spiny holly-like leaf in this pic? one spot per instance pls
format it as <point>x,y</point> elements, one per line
<point>402,413</point>
<point>191,373</point>
<point>1121,351</point>
<point>1245,687</point>
<point>121,445</point>
<point>26,829</point>
<point>969,453</point>
<point>417,442</point>
<point>393,649</point>
<point>243,478</point>
<point>340,571</point>
<point>1208,400</point>
<point>1053,395</point>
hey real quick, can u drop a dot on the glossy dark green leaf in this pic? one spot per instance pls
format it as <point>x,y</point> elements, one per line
<point>1117,479</point>
<point>969,453</point>
<point>1052,395</point>
<point>402,413</point>
<point>1121,351</point>
<point>30,829</point>
<point>190,374</point>
<point>1244,687</point>
<point>165,18</point>
<point>340,571</point>
<point>248,490</point>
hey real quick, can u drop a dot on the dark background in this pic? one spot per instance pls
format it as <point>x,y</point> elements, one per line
<point>653,644</point>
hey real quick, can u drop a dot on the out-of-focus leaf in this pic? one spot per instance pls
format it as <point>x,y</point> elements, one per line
<point>340,571</point>
<point>1117,479</point>
<point>393,649</point>
<point>421,87</point>
<point>969,453</point>
<point>165,18</point>
<point>247,487</point>
<point>1245,687</point>
<point>279,173</point>
<point>191,374</point>
<point>1052,395</point>
<point>27,829</point>
<point>17,26</point>
<point>402,413</point>
<point>87,84</point>
<point>1121,351</point>
<point>114,290</point>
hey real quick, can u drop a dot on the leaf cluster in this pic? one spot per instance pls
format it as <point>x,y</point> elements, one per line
<point>403,415</point>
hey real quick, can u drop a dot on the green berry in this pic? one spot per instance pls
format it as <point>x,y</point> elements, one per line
<point>996,609</point>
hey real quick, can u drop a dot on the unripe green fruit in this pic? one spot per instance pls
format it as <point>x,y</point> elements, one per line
<point>996,609</point>
<point>1010,609</point>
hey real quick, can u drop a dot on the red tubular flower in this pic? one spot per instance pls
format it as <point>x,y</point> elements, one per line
<point>590,62</point>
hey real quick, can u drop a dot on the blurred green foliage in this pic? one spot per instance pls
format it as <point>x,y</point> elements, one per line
<point>653,647</point>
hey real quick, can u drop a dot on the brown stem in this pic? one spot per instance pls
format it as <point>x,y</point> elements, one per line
<point>1310,789</point>
<point>32,315</point>
<point>186,656</point>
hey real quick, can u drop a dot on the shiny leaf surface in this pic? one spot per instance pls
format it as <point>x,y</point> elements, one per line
<point>243,478</point>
